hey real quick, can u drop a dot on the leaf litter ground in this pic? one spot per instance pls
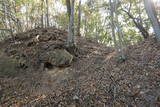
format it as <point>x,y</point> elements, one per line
<point>94,79</point>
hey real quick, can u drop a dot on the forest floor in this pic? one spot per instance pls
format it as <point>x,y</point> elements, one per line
<point>94,79</point>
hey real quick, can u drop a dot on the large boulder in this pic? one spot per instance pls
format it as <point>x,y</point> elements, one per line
<point>57,58</point>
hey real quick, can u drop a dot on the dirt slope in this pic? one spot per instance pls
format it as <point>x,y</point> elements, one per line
<point>94,79</point>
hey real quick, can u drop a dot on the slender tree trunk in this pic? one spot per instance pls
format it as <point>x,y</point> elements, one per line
<point>97,32</point>
<point>112,24</point>
<point>71,33</point>
<point>42,15</point>
<point>27,15</point>
<point>5,15</point>
<point>47,15</point>
<point>10,26</point>
<point>151,12</point>
<point>11,29</point>
<point>119,36</point>
<point>42,20</point>
<point>79,19</point>
<point>68,8</point>
<point>139,12</point>
<point>17,21</point>
<point>85,25</point>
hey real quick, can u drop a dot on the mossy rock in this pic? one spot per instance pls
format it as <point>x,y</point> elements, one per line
<point>61,58</point>
<point>8,66</point>
<point>57,58</point>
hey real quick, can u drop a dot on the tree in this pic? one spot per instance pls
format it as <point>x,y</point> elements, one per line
<point>47,13</point>
<point>112,23</point>
<point>42,21</point>
<point>9,25</point>
<point>138,24</point>
<point>121,51</point>
<point>90,18</point>
<point>151,12</point>
<point>71,33</point>
<point>79,19</point>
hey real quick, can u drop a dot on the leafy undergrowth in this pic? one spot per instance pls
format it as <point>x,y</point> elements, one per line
<point>95,79</point>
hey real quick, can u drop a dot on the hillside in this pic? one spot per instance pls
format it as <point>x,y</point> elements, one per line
<point>93,78</point>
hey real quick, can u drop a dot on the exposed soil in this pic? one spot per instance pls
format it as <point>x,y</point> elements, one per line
<point>94,79</point>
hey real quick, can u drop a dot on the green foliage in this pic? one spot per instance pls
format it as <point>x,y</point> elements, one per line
<point>95,21</point>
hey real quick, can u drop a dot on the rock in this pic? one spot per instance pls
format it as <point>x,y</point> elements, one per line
<point>75,97</point>
<point>57,58</point>
<point>45,38</point>
<point>62,58</point>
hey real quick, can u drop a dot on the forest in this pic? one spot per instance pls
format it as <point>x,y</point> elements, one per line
<point>79,53</point>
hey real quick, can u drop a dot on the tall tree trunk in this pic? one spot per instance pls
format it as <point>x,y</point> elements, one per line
<point>68,8</point>
<point>85,25</point>
<point>27,15</point>
<point>79,19</point>
<point>10,26</point>
<point>71,33</point>
<point>122,56</point>
<point>139,12</point>
<point>47,15</point>
<point>17,21</point>
<point>42,21</point>
<point>5,15</point>
<point>97,33</point>
<point>11,29</point>
<point>151,12</point>
<point>112,24</point>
